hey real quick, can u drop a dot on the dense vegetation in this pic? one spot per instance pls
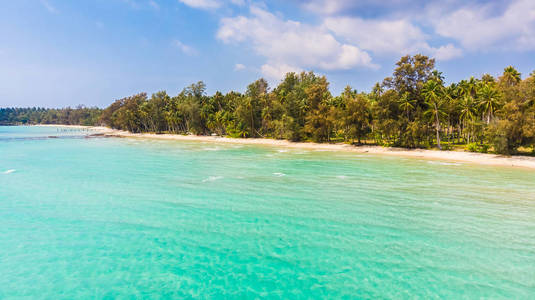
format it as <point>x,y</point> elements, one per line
<point>413,108</point>
<point>68,116</point>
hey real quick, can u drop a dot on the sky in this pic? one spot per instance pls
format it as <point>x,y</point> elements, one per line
<point>58,53</point>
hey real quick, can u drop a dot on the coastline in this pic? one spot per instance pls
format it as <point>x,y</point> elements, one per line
<point>457,156</point>
<point>99,129</point>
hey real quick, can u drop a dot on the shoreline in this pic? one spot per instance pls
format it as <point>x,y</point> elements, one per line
<point>100,129</point>
<point>457,156</point>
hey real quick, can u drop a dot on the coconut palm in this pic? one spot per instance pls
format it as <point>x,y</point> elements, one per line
<point>511,75</point>
<point>468,111</point>
<point>433,93</point>
<point>406,103</point>
<point>488,101</point>
<point>468,87</point>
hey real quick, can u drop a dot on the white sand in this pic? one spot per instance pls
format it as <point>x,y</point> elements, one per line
<point>459,156</point>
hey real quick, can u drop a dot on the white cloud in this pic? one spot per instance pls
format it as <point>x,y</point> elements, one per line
<point>461,26</point>
<point>184,48</point>
<point>49,7</point>
<point>379,36</point>
<point>202,4</point>
<point>291,45</point>
<point>398,37</point>
<point>478,27</point>
<point>446,52</point>
<point>239,67</point>
<point>278,70</point>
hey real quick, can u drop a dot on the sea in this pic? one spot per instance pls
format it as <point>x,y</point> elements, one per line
<point>88,217</point>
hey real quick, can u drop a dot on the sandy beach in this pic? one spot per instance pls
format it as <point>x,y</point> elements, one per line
<point>457,156</point>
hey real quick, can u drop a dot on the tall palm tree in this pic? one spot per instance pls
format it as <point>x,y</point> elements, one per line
<point>468,87</point>
<point>511,75</point>
<point>433,93</point>
<point>406,103</point>
<point>488,101</point>
<point>468,111</point>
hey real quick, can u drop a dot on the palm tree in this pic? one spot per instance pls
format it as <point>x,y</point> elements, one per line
<point>406,103</point>
<point>488,101</point>
<point>468,111</point>
<point>468,87</point>
<point>432,92</point>
<point>437,75</point>
<point>511,75</point>
<point>250,106</point>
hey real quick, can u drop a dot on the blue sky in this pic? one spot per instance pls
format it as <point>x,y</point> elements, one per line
<point>57,53</point>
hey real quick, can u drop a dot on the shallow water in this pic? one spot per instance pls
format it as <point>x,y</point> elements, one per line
<point>126,218</point>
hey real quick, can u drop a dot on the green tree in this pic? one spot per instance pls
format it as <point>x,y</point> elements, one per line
<point>489,101</point>
<point>355,117</point>
<point>468,112</point>
<point>432,92</point>
<point>406,104</point>
<point>410,75</point>
<point>511,76</point>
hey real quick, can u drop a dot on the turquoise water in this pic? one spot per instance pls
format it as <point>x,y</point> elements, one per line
<point>104,218</point>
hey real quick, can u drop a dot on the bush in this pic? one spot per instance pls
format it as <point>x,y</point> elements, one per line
<point>475,147</point>
<point>447,146</point>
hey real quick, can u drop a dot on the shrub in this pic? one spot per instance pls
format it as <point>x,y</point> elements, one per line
<point>475,147</point>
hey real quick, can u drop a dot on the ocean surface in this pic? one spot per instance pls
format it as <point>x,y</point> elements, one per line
<point>108,218</point>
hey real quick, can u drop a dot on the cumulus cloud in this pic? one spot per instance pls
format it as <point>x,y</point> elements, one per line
<point>398,37</point>
<point>379,36</point>
<point>478,27</point>
<point>446,52</point>
<point>466,26</point>
<point>277,70</point>
<point>345,39</point>
<point>289,45</point>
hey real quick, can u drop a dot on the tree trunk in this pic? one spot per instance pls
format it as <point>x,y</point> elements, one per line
<point>252,122</point>
<point>437,127</point>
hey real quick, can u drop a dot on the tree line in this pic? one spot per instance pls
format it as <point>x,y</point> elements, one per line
<point>413,108</point>
<point>80,115</point>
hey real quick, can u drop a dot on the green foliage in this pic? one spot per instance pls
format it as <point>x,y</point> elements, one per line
<point>475,147</point>
<point>81,115</point>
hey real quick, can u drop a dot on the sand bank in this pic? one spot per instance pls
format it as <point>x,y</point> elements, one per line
<point>98,129</point>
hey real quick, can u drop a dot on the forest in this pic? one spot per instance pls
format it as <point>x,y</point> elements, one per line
<point>80,115</point>
<point>413,108</point>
